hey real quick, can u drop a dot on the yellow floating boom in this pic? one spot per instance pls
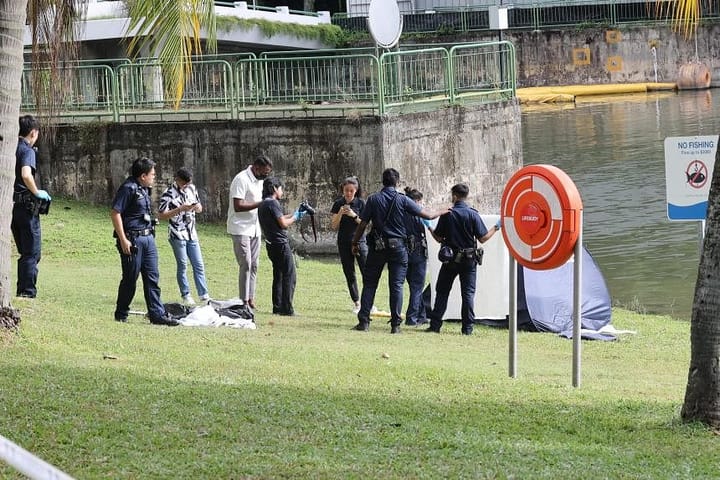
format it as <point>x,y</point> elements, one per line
<point>567,93</point>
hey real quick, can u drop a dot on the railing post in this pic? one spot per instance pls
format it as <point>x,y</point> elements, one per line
<point>381,85</point>
<point>450,77</point>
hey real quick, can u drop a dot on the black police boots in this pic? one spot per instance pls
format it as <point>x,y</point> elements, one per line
<point>166,319</point>
<point>434,326</point>
<point>362,326</point>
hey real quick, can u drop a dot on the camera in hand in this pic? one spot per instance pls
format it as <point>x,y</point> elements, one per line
<point>305,207</point>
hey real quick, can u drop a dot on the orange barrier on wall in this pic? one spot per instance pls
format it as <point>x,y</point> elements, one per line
<point>693,76</point>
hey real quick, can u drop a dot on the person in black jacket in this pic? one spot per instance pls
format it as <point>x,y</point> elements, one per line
<point>274,224</point>
<point>460,228</point>
<point>346,217</point>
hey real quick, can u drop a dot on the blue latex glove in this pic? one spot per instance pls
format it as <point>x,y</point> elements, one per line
<point>426,222</point>
<point>43,195</point>
<point>498,225</point>
<point>298,215</point>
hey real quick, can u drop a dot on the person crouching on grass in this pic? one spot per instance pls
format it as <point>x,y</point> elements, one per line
<point>274,225</point>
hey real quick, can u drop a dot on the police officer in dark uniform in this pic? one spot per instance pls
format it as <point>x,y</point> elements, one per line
<point>459,229</point>
<point>417,262</point>
<point>134,226</point>
<point>27,196</point>
<point>387,244</point>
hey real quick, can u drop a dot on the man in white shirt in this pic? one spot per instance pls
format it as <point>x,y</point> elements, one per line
<point>243,224</point>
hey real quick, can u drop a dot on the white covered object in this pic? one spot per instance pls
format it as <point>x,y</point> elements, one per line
<point>206,316</point>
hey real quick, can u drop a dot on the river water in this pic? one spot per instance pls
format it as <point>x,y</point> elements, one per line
<point>612,148</point>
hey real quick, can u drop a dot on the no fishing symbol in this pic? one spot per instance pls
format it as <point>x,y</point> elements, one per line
<point>696,174</point>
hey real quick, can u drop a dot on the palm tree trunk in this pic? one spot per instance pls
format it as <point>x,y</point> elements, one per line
<point>12,25</point>
<point>702,395</point>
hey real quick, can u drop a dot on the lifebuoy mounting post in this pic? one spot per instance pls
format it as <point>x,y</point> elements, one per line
<point>541,212</point>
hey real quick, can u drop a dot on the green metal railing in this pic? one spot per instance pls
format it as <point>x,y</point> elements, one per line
<point>410,78</point>
<point>484,72</point>
<point>208,91</point>
<point>530,15</point>
<point>293,85</point>
<point>308,84</point>
<point>88,90</point>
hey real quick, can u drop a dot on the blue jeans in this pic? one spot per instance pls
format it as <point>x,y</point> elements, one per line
<point>446,277</point>
<point>396,259</point>
<point>145,262</point>
<point>26,232</point>
<point>185,250</point>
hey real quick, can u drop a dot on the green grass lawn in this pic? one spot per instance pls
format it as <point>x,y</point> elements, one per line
<point>306,397</point>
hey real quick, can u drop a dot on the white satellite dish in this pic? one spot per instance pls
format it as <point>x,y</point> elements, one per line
<point>385,22</point>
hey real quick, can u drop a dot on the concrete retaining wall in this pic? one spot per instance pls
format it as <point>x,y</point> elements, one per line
<point>601,55</point>
<point>480,145</point>
<point>590,55</point>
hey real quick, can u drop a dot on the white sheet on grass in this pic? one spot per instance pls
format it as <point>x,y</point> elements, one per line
<point>206,316</point>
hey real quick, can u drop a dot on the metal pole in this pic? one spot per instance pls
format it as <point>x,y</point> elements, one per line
<point>31,466</point>
<point>577,305</point>
<point>512,321</point>
<point>500,55</point>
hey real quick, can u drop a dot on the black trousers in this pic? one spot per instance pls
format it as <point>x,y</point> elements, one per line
<point>448,271</point>
<point>284,277</point>
<point>347,259</point>
<point>396,259</point>
<point>26,232</point>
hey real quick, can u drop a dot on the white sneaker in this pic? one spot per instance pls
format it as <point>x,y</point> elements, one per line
<point>356,309</point>
<point>188,300</point>
<point>373,310</point>
<point>205,298</point>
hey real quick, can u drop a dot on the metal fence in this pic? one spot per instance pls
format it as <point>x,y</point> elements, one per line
<point>530,15</point>
<point>483,73</point>
<point>314,83</point>
<point>289,85</point>
<point>208,89</point>
<point>413,77</point>
<point>87,90</point>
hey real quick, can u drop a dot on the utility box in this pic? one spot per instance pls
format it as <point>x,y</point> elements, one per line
<point>498,18</point>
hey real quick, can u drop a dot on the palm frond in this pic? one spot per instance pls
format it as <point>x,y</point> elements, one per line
<point>53,24</point>
<point>170,30</point>
<point>684,14</point>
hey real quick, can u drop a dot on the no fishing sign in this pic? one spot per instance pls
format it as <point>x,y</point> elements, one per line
<point>689,164</point>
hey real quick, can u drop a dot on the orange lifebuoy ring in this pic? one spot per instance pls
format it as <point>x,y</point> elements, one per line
<point>540,211</point>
